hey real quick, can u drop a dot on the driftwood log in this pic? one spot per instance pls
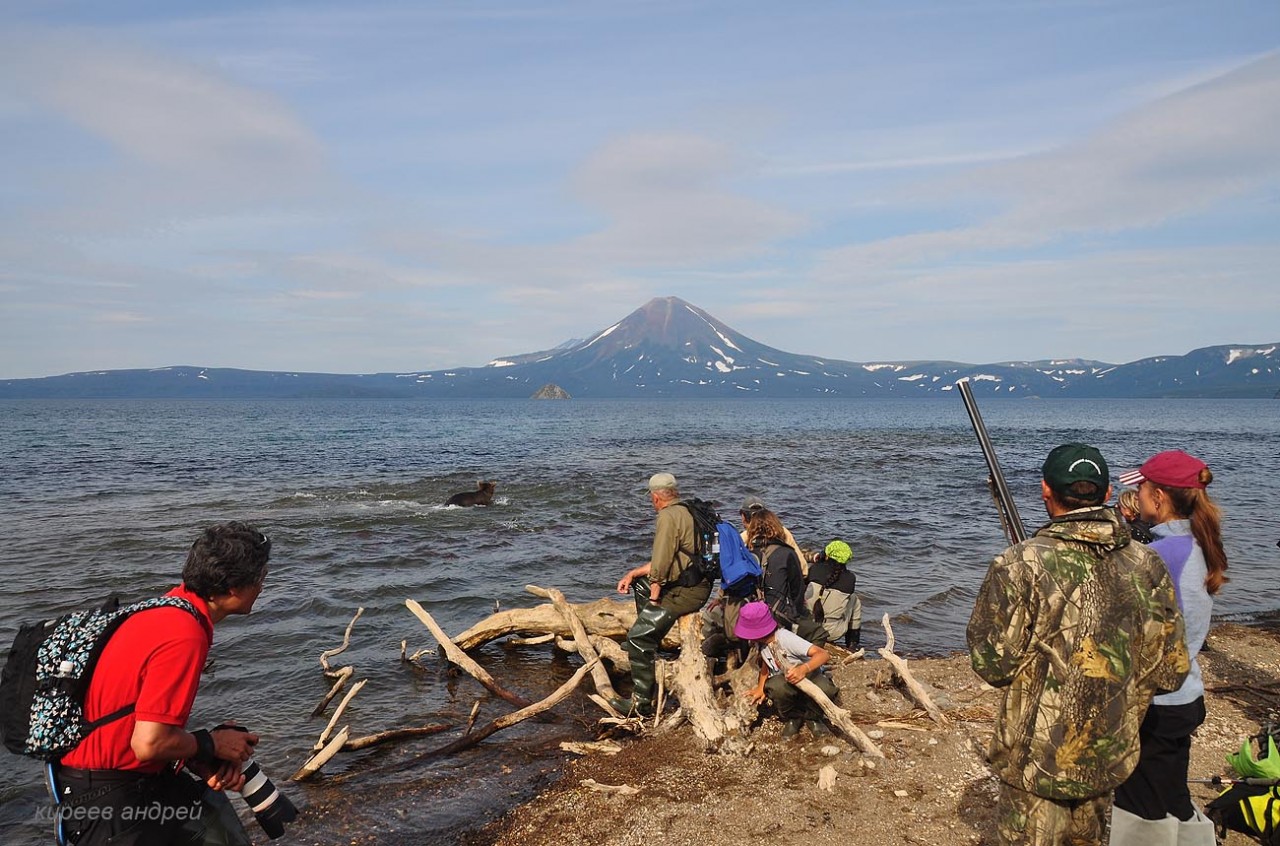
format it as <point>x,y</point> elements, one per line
<point>341,675</point>
<point>346,642</point>
<point>720,718</point>
<point>357,743</point>
<point>605,617</point>
<point>536,640</point>
<point>462,659</point>
<point>337,715</point>
<point>712,721</point>
<point>599,747</point>
<point>620,789</point>
<point>326,746</point>
<point>319,759</point>
<point>608,649</point>
<point>581,640</point>
<point>917,691</point>
<point>506,720</point>
<point>840,718</point>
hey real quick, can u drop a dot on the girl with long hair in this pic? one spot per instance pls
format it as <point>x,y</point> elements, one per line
<point>1154,805</point>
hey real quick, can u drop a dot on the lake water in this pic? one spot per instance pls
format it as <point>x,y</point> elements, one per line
<point>106,496</point>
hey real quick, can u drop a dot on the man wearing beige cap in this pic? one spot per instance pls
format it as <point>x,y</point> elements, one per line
<point>663,592</point>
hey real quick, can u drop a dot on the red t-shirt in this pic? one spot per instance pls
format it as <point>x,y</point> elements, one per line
<point>154,659</point>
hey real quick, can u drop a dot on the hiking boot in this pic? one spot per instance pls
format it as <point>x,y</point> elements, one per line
<point>792,728</point>
<point>819,728</point>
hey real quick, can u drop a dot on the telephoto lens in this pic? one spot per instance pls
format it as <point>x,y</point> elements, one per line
<point>271,808</point>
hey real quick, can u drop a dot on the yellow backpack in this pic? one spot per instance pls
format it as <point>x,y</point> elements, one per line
<point>1252,805</point>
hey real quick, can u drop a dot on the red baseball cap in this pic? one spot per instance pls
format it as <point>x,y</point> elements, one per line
<point>1174,469</point>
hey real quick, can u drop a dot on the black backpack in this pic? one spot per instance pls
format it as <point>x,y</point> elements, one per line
<point>1252,809</point>
<point>47,673</point>
<point>719,553</point>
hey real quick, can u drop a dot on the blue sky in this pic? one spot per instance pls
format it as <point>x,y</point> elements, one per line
<point>368,187</point>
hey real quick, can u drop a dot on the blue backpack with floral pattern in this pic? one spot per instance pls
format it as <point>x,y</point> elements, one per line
<point>46,677</point>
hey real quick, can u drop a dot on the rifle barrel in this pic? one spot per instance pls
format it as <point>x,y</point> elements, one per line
<point>1000,489</point>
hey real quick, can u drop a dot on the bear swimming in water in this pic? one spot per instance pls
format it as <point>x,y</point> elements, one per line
<point>483,495</point>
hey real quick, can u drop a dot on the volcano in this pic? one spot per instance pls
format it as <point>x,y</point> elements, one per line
<point>670,348</point>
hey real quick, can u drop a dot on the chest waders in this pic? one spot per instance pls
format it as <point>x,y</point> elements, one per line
<point>652,624</point>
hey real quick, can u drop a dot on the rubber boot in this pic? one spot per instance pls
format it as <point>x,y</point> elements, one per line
<point>640,702</point>
<point>1132,830</point>
<point>852,638</point>
<point>1197,831</point>
<point>652,624</point>
<point>640,589</point>
<point>818,728</point>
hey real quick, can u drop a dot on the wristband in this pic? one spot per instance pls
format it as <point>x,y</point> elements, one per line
<point>204,747</point>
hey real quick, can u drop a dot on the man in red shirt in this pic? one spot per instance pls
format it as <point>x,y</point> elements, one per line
<point>122,782</point>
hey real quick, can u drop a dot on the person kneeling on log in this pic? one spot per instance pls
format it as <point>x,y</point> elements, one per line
<point>786,659</point>
<point>665,589</point>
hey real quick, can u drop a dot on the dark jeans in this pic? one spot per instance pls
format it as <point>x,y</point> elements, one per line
<point>1158,786</point>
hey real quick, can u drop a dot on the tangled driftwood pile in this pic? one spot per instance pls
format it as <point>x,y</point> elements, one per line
<point>715,709</point>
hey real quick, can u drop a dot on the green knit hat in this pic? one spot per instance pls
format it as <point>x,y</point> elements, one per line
<point>838,551</point>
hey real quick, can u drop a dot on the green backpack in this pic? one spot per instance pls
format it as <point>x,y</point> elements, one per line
<point>1252,808</point>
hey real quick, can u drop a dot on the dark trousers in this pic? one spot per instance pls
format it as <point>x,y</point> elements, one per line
<point>1158,786</point>
<point>116,806</point>
<point>119,808</point>
<point>791,703</point>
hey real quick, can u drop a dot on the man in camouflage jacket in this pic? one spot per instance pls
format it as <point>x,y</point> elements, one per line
<point>1080,628</point>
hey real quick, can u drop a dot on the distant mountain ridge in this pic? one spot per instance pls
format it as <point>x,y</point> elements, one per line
<point>669,348</point>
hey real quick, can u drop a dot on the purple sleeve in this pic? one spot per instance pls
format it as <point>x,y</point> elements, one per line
<point>1175,550</point>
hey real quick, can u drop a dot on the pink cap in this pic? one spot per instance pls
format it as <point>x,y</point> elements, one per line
<point>755,622</point>
<point>1174,469</point>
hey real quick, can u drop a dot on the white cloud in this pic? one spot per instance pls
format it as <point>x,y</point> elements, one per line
<point>121,317</point>
<point>164,113</point>
<point>669,198</point>
<point>665,205</point>
<point>1117,305</point>
<point>1174,157</point>
<point>285,184</point>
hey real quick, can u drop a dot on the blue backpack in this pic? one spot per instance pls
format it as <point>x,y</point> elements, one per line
<point>719,552</point>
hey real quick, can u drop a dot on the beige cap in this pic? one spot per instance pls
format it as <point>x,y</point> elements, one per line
<point>662,482</point>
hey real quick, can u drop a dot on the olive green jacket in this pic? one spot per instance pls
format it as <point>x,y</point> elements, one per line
<point>673,544</point>
<point>1080,627</point>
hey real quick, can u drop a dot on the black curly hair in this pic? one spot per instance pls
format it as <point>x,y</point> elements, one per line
<point>226,556</point>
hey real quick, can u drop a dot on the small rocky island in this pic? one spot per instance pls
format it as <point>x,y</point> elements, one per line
<point>550,391</point>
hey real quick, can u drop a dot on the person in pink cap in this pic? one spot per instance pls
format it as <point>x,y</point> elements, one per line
<point>1153,806</point>
<point>786,659</point>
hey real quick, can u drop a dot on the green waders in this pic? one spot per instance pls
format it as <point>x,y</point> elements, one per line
<point>653,621</point>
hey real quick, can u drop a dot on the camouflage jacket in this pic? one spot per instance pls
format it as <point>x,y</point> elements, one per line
<point>1080,627</point>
